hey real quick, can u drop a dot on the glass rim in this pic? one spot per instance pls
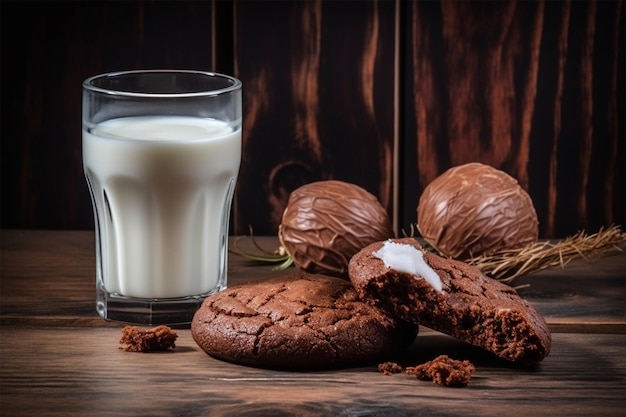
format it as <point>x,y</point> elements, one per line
<point>88,83</point>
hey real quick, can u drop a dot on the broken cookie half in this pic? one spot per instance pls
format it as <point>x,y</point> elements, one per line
<point>409,283</point>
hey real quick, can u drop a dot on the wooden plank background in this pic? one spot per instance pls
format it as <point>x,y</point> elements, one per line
<point>533,88</point>
<point>386,94</point>
<point>318,102</point>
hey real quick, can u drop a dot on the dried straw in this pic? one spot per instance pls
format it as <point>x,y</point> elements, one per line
<point>279,255</point>
<point>506,265</point>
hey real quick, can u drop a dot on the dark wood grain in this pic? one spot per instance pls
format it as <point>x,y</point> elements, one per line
<point>51,47</point>
<point>60,359</point>
<point>61,268</point>
<point>318,99</point>
<point>521,86</point>
<point>81,371</point>
<point>386,94</point>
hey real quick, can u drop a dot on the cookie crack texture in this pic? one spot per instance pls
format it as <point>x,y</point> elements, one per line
<point>257,340</point>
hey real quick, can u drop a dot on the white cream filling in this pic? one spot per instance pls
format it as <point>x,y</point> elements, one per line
<point>406,258</point>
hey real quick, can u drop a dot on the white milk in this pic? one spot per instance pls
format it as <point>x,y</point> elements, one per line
<point>162,187</point>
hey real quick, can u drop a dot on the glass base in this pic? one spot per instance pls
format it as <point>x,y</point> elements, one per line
<point>148,311</point>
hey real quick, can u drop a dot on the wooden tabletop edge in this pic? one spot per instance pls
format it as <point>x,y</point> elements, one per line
<point>591,327</point>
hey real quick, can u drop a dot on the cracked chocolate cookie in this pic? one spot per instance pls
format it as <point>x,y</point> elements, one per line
<point>300,321</point>
<point>451,297</point>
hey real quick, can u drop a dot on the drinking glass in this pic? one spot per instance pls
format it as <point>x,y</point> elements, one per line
<point>161,155</point>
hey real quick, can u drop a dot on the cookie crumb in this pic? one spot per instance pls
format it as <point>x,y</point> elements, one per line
<point>389,368</point>
<point>445,371</point>
<point>159,338</point>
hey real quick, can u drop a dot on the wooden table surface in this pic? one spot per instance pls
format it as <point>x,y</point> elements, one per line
<point>58,358</point>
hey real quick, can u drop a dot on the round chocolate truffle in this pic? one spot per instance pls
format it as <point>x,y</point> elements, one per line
<point>475,209</point>
<point>326,222</point>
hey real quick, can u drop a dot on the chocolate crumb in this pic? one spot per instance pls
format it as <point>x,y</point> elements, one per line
<point>445,371</point>
<point>389,368</point>
<point>159,338</point>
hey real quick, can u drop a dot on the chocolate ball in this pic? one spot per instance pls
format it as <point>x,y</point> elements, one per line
<point>475,209</point>
<point>326,222</point>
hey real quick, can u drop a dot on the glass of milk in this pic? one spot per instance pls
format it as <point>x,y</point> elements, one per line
<point>161,154</point>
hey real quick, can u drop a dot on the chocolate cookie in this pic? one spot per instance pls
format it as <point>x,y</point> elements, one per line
<point>468,305</point>
<point>297,322</point>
